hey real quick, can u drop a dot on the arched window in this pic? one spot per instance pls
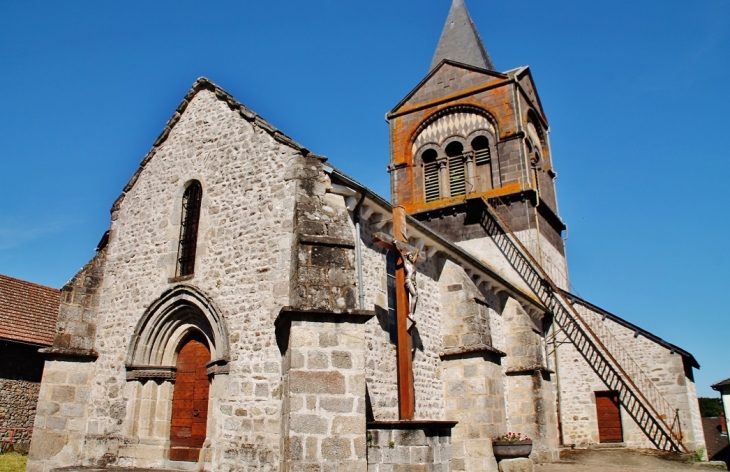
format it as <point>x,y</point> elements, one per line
<point>457,175</point>
<point>482,171</point>
<point>431,175</point>
<point>189,229</point>
<point>458,153</point>
<point>482,154</point>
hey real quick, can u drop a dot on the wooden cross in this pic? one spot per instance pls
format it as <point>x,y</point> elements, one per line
<point>399,244</point>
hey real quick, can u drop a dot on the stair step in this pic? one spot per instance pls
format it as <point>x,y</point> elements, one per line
<point>597,351</point>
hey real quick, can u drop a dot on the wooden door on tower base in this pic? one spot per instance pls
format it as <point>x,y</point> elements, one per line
<point>190,400</point>
<point>609,417</point>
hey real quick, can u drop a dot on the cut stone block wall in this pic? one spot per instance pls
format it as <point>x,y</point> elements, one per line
<point>77,316</point>
<point>578,384</point>
<point>529,384</point>
<point>324,391</point>
<point>465,311</point>
<point>471,369</point>
<point>324,269</point>
<point>409,448</point>
<point>475,398</point>
<point>62,412</point>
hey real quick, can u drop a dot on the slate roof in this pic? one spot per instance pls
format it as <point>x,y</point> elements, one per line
<point>617,319</point>
<point>28,311</point>
<point>460,40</point>
<point>722,385</point>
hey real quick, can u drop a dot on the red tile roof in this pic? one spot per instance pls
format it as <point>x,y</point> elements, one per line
<point>28,311</point>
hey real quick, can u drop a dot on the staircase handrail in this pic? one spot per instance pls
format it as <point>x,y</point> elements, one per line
<point>663,411</point>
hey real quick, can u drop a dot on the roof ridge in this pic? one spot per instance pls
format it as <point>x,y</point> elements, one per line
<point>203,83</point>
<point>27,282</point>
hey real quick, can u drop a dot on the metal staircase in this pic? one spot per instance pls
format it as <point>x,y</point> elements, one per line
<point>603,352</point>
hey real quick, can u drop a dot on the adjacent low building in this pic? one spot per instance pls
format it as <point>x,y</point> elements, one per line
<point>724,388</point>
<point>28,314</point>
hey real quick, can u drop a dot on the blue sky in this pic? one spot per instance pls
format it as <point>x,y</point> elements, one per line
<point>635,92</point>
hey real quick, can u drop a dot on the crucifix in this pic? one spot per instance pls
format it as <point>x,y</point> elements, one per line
<point>406,300</point>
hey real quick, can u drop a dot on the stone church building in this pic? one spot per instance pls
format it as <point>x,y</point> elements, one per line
<point>253,308</point>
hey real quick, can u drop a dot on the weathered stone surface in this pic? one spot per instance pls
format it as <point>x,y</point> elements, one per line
<point>336,448</point>
<point>409,448</point>
<point>329,383</point>
<point>522,464</point>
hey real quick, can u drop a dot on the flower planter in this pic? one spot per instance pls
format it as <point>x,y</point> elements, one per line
<point>511,449</point>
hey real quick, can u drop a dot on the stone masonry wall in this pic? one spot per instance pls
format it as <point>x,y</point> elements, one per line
<point>578,383</point>
<point>21,369</point>
<point>77,316</point>
<point>18,400</point>
<point>324,269</point>
<point>62,411</point>
<point>381,368</point>
<point>472,370</point>
<point>242,265</point>
<point>63,408</point>
<point>529,385</point>
<point>381,356</point>
<point>409,450</point>
<point>465,313</point>
<point>475,397</point>
<point>324,390</point>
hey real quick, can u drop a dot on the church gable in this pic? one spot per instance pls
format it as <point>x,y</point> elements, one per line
<point>243,245</point>
<point>448,79</point>
<point>200,85</point>
<point>527,86</point>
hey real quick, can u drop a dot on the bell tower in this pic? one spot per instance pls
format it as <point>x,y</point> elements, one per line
<point>467,134</point>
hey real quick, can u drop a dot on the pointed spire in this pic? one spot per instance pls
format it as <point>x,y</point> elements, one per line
<point>460,40</point>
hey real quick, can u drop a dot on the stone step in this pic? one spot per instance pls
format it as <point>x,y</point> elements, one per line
<point>608,446</point>
<point>110,469</point>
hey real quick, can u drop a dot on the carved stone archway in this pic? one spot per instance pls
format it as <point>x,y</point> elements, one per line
<point>172,317</point>
<point>180,314</point>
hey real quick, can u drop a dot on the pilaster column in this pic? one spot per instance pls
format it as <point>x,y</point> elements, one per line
<point>445,184</point>
<point>323,389</point>
<point>470,172</point>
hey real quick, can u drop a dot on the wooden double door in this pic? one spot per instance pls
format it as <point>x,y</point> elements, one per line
<point>190,400</point>
<point>609,417</point>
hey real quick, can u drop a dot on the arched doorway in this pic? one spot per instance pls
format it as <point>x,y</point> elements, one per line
<point>190,399</point>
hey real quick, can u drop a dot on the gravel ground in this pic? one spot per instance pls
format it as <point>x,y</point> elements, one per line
<point>619,460</point>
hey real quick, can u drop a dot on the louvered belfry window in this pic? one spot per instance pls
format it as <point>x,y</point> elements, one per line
<point>457,179</point>
<point>431,176</point>
<point>457,174</point>
<point>482,154</point>
<point>189,229</point>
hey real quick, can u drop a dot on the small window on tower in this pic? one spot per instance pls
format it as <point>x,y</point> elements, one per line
<point>457,181</point>
<point>189,229</point>
<point>431,175</point>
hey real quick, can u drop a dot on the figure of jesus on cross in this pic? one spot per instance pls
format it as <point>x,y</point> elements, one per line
<point>406,301</point>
